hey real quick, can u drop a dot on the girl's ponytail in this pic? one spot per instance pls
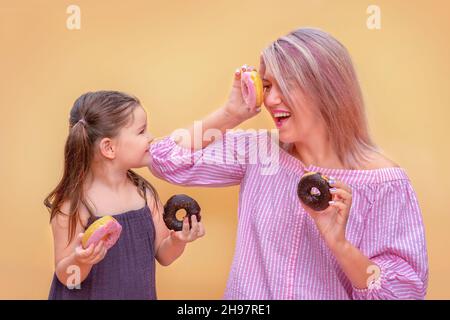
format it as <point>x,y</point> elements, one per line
<point>77,161</point>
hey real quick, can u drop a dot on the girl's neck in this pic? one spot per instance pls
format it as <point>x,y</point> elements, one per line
<point>107,176</point>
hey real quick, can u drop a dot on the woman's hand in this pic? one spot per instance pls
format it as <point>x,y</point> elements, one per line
<point>332,221</point>
<point>236,106</point>
<point>188,235</point>
<point>91,255</point>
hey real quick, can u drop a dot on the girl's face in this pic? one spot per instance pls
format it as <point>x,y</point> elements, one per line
<point>133,141</point>
<point>295,124</point>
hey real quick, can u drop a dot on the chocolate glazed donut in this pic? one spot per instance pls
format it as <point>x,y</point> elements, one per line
<point>314,191</point>
<point>175,203</point>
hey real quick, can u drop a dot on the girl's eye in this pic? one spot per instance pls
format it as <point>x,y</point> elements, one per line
<point>142,131</point>
<point>266,87</point>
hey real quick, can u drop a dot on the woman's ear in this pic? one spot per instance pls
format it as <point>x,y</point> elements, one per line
<point>107,148</point>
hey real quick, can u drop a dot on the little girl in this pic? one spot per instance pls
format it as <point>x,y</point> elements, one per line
<point>107,137</point>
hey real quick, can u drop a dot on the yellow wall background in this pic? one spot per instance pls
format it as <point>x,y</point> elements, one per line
<point>178,57</point>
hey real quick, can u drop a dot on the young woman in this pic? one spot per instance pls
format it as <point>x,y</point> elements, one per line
<point>368,244</point>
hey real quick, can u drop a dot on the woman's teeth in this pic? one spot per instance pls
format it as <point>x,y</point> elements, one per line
<point>281,114</point>
<point>280,117</point>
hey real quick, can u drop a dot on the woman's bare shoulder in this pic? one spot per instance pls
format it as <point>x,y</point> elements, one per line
<point>380,161</point>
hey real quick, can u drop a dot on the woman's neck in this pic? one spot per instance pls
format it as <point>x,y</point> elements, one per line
<point>317,152</point>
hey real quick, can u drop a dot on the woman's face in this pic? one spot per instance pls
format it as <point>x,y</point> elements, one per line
<point>295,123</point>
<point>133,141</point>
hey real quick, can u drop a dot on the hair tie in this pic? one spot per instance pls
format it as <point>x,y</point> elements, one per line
<point>82,121</point>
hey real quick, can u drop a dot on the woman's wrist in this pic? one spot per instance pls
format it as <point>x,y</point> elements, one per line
<point>231,120</point>
<point>353,262</point>
<point>340,248</point>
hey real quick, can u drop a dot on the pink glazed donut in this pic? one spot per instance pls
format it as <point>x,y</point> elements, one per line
<point>106,228</point>
<point>252,88</point>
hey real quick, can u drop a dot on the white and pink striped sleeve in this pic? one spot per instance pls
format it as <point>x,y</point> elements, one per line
<point>222,163</point>
<point>394,239</point>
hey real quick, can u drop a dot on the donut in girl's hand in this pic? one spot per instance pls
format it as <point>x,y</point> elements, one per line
<point>178,202</point>
<point>252,88</point>
<point>314,191</point>
<point>106,228</point>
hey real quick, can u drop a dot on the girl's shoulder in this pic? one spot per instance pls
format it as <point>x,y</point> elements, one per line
<point>63,217</point>
<point>153,201</point>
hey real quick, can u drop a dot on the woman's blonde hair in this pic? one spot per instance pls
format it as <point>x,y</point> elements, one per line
<point>320,66</point>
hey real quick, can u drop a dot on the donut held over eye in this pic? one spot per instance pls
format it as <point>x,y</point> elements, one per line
<point>252,88</point>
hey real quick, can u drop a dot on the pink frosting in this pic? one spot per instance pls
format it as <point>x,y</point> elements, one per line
<point>248,89</point>
<point>109,232</point>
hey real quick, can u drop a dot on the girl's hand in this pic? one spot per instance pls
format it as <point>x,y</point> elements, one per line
<point>186,234</point>
<point>91,255</point>
<point>236,106</point>
<point>332,221</point>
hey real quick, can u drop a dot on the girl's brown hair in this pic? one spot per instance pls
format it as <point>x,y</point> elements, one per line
<point>94,115</point>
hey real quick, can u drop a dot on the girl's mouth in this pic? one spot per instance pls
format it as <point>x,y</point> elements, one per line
<point>281,117</point>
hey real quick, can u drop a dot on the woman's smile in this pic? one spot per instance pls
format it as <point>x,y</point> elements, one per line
<point>280,116</point>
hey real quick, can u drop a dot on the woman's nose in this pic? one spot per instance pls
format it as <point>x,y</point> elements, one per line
<point>272,97</point>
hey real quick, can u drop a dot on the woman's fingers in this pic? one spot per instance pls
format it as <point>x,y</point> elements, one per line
<point>244,68</point>
<point>237,74</point>
<point>331,209</point>
<point>341,194</point>
<point>340,191</point>
<point>339,184</point>
<point>340,207</point>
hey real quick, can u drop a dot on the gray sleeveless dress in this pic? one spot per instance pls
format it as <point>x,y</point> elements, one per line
<point>128,269</point>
